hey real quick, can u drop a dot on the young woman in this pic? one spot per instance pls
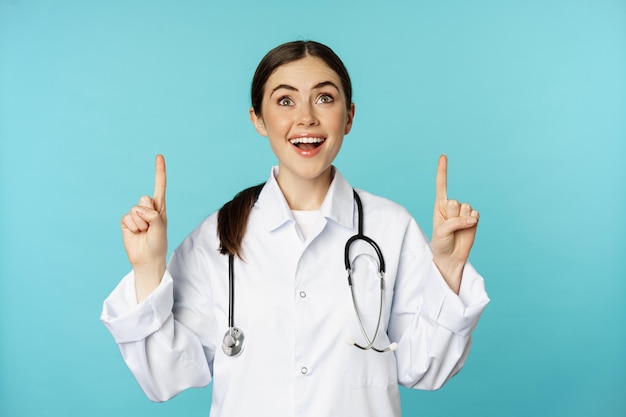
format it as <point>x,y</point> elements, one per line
<point>301,296</point>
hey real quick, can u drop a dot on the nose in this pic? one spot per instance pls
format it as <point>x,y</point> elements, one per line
<point>307,116</point>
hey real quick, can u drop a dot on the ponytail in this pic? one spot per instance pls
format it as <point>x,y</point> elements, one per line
<point>232,220</point>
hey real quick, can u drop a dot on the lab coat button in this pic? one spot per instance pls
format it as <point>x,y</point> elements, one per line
<point>304,370</point>
<point>302,294</point>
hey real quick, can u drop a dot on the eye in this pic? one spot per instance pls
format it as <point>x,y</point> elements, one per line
<point>285,101</point>
<point>325,98</point>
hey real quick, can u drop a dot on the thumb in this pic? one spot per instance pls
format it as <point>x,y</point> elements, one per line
<point>151,217</point>
<point>454,224</point>
<point>148,214</point>
<point>151,205</point>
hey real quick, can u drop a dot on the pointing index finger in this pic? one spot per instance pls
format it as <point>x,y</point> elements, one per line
<point>159,183</point>
<point>441,181</point>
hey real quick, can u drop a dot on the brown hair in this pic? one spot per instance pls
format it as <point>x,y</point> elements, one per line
<point>232,220</point>
<point>233,216</point>
<point>290,52</point>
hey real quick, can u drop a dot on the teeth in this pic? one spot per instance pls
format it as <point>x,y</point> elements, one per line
<point>306,140</point>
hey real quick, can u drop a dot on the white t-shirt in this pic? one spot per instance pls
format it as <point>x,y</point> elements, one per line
<point>308,222</point>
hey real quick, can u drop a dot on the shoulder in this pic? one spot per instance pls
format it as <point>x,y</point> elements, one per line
<point>202,238</point>
<point>378,205</point>
<point>387,217</point>
<point>391,223</point>
<point>372,203</point>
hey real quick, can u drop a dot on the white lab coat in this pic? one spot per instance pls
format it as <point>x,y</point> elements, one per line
<point>293,303</point>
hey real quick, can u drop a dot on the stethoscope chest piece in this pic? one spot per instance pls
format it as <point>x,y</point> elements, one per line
<point>233,342</point>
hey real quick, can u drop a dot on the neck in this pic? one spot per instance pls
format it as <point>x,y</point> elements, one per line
<point>305,193</point>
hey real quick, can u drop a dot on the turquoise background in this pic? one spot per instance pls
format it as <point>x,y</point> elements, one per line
<point>528,99</point>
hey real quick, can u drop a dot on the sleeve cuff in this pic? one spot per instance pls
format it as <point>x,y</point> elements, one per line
<point>457,313</point>
<point>130,322</point>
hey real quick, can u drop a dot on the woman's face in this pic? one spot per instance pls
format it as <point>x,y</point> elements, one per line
<point>305,116</point>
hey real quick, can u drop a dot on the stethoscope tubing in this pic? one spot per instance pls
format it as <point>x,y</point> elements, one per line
<point>231,291</point>
<point>234,337</point>
<point>381,270</point>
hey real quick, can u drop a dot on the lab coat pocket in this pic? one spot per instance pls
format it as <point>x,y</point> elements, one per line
<point>367,367</point>
<point>366,322</point>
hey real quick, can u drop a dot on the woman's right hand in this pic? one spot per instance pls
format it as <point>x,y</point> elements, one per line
<point>144,230</point>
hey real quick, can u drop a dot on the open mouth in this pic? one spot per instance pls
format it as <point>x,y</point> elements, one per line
<point>306,143</point>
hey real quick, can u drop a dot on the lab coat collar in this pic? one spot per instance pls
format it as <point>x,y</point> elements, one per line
<point>338,205</point>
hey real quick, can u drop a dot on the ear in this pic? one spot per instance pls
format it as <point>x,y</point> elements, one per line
<point>257,121</point>
<point>350,119</point>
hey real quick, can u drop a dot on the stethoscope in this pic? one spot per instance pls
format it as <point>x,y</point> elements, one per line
<point>234,338</point>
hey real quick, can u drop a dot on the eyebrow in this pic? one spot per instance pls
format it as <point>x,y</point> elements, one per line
<point>316,86</point>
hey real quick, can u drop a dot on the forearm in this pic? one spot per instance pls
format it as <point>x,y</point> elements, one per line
<point>164,355</point>
<point>434,340</point>
<point>429,355</point>
<point>147,279</point>
<point>452,272</point>
<point>164,365</point>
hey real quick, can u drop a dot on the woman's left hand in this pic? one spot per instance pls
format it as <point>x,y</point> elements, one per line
<point>454,230</point>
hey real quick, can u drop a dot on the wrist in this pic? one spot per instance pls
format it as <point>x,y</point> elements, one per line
<point>451,271</point>
<point>147,278</point>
